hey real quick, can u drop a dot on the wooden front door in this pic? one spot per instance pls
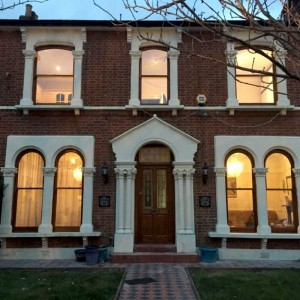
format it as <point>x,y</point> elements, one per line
<point>155,213</point>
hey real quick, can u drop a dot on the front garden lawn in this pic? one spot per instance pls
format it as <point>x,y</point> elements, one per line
<point>223,284</point>
<point>47,284</point>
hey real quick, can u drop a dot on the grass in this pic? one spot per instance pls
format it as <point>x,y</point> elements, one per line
<point>280,284</point>
<point>59,284</point>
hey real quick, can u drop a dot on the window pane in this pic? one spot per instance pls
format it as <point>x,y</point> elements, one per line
<point>253,87</point>
<point>69,174</point>
<point>47,89</point>
<point>161,182</point>
<point>251,60</point>
<point>55,62</point>
<point>154,62</point>
<point>69,191</point>
<point>68,208</point>
<point>29,191</point>
<point>154,90</point>
<point>280,193</point>
<point>29,208</point>
<point>240,210</point>
<point>240,200</point>
<point>147,188</point>
<point>54,76</point>
<point>30,171</point>
<point>239,167</point>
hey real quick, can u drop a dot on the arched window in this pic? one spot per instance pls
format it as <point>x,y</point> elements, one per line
<point>281,194</point>
<point>68,194</point>
<point>54,76</point>
<point>252,86</point>
<point>154,78</point>
<point>241,204</point>
<point>29,192</point>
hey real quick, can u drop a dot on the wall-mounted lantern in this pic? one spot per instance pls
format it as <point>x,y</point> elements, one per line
<point>104,173</point>
<point>205,173</point>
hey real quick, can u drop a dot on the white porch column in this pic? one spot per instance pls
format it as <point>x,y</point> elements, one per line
<point>173,58</point>
<point>46,225</point>
<point>222,225</point>
<point>185,231</point>
<point>231,84</point>
<point>135,74</point>
<point>77,101</point>
<point>87,201</point>
<point>261,196</point>
<point>28,77</point>
<point>297,182</point>
<point>124,235</point>
<point>130,192</point>
<point>7,201</point>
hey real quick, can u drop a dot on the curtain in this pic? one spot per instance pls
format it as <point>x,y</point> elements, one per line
<point>29,190</point>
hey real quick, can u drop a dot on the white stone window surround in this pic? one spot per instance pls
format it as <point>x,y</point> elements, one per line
<point>266,42</point>
<point>43,36</point>
<point>184,148</point>
<point>49,147</point>
<point>170,36</point>
<point>258,147</point>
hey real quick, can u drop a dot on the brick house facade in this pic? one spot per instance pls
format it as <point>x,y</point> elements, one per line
<point>106,122</point>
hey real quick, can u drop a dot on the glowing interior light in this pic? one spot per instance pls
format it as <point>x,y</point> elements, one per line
<point>73,161</point>
<point>77,174</point>
<point>234,167</point>
<point>57,68</point>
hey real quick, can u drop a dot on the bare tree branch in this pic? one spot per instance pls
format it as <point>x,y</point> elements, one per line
<point>4,5</point>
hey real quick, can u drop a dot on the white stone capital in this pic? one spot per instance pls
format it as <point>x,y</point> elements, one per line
<point>9,172</point>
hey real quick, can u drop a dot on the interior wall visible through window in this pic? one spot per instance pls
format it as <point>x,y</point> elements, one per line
<point>253,87</point>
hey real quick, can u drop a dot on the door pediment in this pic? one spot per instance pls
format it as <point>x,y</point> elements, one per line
<point>126,145</point>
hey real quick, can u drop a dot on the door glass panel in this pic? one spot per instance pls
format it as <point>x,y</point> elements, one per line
<point>147,188</point>
<point>161,176</point>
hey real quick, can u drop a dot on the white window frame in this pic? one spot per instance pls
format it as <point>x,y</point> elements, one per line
<point>170,36</point>
<point>258,147</point>
<point>35,37</point>
<point>50,147</point>
<point>232,102</point>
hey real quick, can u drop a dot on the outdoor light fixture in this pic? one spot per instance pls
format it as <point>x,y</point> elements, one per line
<point>205,173</point>
<point>104,173</point>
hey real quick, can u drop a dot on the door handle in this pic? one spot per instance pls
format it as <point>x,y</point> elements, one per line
<point>154,210</point>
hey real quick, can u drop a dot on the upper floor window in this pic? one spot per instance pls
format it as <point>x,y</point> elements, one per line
<point>154,77</point>
<point>29,192</point>
<point>253,86</point>
<point>68,196</point>
<point>241,204</point>
<point>54,76</point>
<point>281,194</point>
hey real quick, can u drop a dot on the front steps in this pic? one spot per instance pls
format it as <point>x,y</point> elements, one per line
<point>154,254</point>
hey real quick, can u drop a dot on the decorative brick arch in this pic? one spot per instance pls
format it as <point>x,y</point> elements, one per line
<point>125,147</point>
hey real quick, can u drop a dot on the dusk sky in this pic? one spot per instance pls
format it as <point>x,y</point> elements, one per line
<point>85,9</point>
<point>69,10</point>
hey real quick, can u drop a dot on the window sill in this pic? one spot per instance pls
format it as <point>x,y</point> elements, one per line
<point>27,108</point>
<point>254,107</point>
<point>51,234</point>
<point>254,235</point>
<point>172,108</point>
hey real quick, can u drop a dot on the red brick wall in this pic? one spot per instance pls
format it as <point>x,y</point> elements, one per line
<point>11,62</point>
